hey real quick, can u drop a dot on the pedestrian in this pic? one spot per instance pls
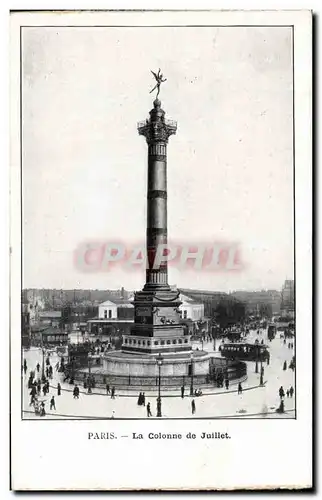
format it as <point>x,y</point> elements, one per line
<point>47,372</point>
<point>227,384</point>
<point>58,389</point>
<point>288,393</point>
<point>193,407</point>
<point>291,391</point>
<point>52,403</point>
<point>182,391</point>
<point>38,387</point>
<point>107,389</point>
<point>113,413</point>
<point>76,392</point>
<point>38,367</point>
<point>281,409</point>
<point>240,389</point>
<point>148,410</point>
<point>37,409</point>
<point>42,409</point>
<point>143,398</point>
<point>140,399</point>
<point>284,342</point>
<point>281,392</point>
<point>113,393</point>
<point>284,365</point>
<point>44,389</point>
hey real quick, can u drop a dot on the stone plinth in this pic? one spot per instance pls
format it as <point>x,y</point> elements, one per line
<point>119,363</point>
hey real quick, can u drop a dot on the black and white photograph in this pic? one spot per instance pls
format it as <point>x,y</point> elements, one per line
<point>158,243</point>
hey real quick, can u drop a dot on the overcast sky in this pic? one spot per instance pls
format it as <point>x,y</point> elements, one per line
<point>230,173</point>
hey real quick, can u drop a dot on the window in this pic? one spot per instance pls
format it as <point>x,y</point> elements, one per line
<point>139,342</point>
<point>143,343</point>
<point>149,343</point>
<point>168,342</point>
<point>174,341</point>
<point>162,342</point>
<point>105,314</point>
<point>186,341</point>
<point>180,341</point>
<point>156,343</point>
<point>110,313</point>
<point>125,341</point>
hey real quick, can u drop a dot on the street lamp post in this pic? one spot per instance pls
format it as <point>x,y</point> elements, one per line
<point>214,336</point>
<point>43,364</point>
<point>159,410</point>
<point>261,381</point>
<point>257,356</point>
<point>43,359</point>
<point>89,390</point>
<point>191,384</point>
<point>256,366</point>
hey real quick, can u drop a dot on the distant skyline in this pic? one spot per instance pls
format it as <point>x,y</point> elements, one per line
<point>129,290</point>
<point>230,166</point>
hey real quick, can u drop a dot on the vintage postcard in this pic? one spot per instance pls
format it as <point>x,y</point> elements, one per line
<point>161,302</point>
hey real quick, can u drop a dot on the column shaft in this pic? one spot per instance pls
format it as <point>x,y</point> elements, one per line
<point>156,212</point>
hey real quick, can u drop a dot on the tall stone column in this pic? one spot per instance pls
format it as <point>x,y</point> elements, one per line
<point>157,130</point>
<point>157,322</point>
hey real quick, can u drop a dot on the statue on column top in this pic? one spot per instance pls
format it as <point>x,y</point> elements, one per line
<point>159,78</point>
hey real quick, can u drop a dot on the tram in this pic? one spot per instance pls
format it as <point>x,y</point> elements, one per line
<point>245,352</point>
<point>271,332</point>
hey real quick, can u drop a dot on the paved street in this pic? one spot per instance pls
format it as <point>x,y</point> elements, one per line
<point>214,403</point>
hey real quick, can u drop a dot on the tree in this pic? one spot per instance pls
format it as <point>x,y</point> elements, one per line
<point>229,312</point>
<point>265,310</point>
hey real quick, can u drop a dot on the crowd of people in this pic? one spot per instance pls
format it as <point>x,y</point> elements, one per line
<point>39,383</point>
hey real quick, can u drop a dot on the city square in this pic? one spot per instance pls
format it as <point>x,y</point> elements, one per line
<point>254,402</point>
<point>160,351</point>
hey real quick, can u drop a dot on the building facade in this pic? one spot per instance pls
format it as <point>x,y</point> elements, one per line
<point>288,299</point>
<point>191,309</point>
